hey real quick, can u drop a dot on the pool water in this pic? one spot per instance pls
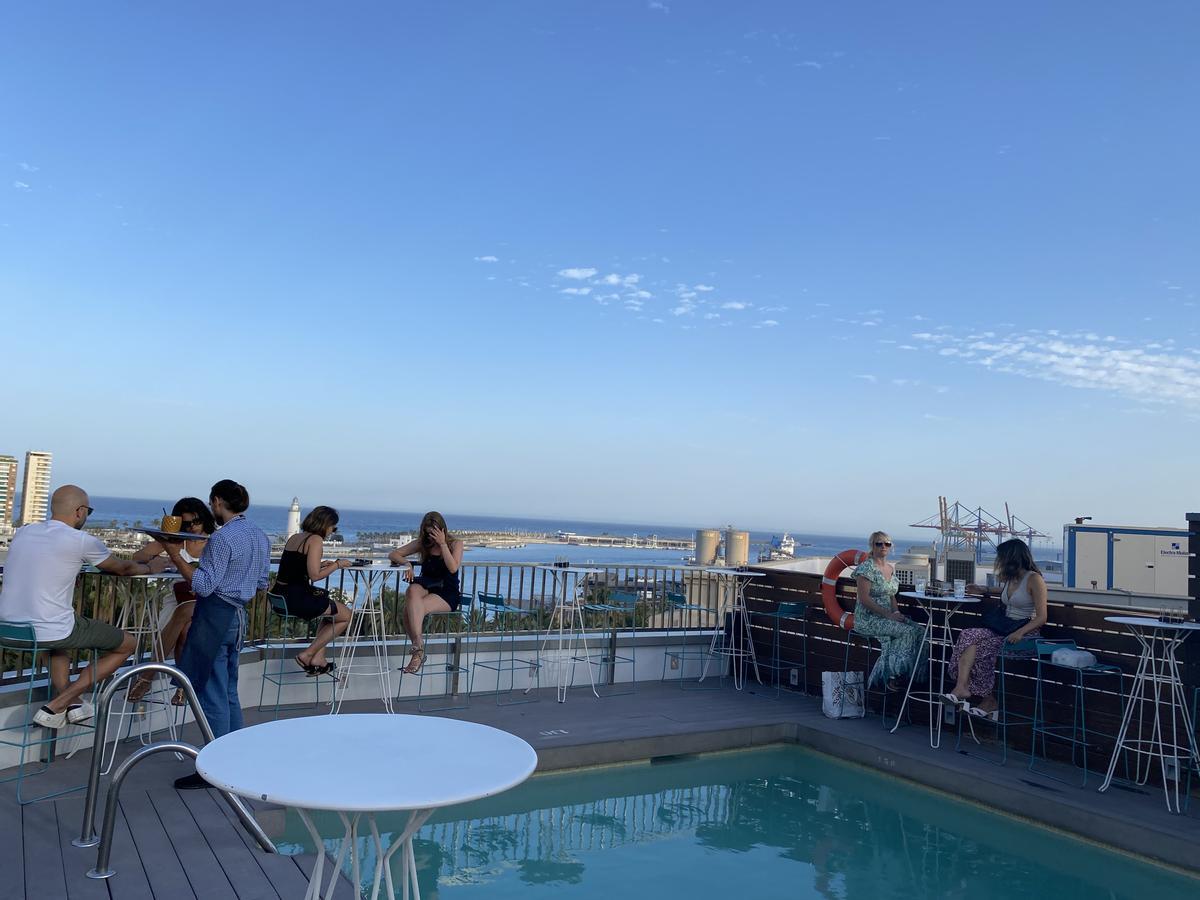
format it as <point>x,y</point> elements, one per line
<point>777,822</point>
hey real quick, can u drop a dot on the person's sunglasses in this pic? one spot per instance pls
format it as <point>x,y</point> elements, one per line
<point>188,523</point>
<point>88,508</point>
<point>883,543</point>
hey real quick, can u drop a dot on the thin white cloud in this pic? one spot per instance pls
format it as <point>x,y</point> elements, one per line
<point>487,259</point>
<point>658,6</point>
<point>767,323</point>
<point>27,167</point>
<point>579,274</point>
<point>703,287</point>
<point>712,315</point>
<point>735,304</point>
<point>577,291</point>
<point>1149,373</point>
<point>20,185</point>
<point>870,378</point>
<point>624,280</point>
<point>810,64</point>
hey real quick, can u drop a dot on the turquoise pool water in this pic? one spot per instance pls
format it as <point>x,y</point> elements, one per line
<point>778,822</point>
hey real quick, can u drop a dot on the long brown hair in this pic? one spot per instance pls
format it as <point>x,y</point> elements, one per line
<point>432,519</point>
<point>1013,559</point>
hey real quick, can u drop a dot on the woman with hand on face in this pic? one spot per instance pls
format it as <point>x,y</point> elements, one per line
<point>436,588</point>
<point>1020,616</point>
<point>300,565</point>
<point>178,607</point>
<point>876,615</point>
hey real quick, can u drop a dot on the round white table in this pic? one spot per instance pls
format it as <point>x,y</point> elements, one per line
<point>1165,729</point>
<point>399,762</point>
<point>936,655</point>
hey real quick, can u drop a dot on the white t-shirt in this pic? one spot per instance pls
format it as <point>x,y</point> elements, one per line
<point>39,576</point>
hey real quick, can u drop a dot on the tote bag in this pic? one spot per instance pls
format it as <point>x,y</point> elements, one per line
<point>842,695</point>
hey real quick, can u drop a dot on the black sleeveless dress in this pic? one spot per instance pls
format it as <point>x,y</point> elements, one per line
<point>437,579</point>
<point>292,583</point>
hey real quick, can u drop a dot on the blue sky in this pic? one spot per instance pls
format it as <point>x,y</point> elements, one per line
<point>788,265</point>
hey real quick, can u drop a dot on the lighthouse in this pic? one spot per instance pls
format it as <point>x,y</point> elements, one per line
<point>294,517</point>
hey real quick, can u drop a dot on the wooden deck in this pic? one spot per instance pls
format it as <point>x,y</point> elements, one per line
<point>173,844</point>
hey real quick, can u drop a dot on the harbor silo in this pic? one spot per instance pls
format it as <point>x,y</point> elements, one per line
<point>707,541</point>
<point>737,547</point>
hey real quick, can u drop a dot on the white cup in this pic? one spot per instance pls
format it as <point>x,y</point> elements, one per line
<point>960,589</point>
<point>919,586</point>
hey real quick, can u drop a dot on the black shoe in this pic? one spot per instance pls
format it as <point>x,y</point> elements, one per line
<point>193,782</point>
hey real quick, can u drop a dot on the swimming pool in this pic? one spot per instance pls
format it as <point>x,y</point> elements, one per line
<point>775,822</point>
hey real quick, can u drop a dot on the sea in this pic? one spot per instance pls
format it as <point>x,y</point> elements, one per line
<point>273,520</point>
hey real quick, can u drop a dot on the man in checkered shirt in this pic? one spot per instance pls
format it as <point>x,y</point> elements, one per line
<point>234,566</point>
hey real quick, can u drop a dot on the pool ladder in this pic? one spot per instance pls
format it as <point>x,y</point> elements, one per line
<point>87,836</point>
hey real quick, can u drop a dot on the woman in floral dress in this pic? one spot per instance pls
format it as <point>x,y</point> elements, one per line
<point>876,615</point>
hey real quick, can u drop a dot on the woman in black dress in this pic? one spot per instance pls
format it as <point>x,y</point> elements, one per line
<point>436,588</point>
<point>300,565</point>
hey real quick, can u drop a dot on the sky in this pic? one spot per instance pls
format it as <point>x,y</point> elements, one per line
<point>779,264</point>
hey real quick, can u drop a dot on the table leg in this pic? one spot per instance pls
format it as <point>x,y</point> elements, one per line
<point>408,860</point>
<point>1135,700</point>
<point>926,645</point>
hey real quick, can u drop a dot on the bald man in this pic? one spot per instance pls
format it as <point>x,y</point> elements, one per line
<point>39,584</point>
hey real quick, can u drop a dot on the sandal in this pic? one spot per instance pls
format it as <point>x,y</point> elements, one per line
<point>418,660</point>
<point>179,699</point>
<point>992,715</point>
<point>327,669</point>
<point>140,687</point>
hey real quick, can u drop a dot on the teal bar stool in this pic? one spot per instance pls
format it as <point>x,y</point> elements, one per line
<point>506,618</point>
<point>278,668</point>
<point>870,644</point>
<point>792,612</point>
<point>1076,734</point>
<point>453,666</point>
<point>618,610</point>
<point>1005,716</point>
<point>677,605</point>
<point>20,638</point>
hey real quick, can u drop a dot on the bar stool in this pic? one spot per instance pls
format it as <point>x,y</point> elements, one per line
<point>677,604</point>
<point>1075,734</point>
<point>794,612</point>
<point>870,644</point>
<point>506,616</point>
<point>458,623</point>
<point>20,638</point>
<point>1005,717</point>
<point>141,617</point>
<point>618,609</point>
<point>275,649</point>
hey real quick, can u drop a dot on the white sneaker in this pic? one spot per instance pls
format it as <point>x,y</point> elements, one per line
<point>48,718</point>
<point>80,712</point>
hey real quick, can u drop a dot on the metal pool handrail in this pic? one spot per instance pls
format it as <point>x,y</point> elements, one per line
<point>87,836</point>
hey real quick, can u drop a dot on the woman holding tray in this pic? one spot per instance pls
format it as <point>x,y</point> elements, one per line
<point>176,617</point>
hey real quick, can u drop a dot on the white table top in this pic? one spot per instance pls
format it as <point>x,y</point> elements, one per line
<point>367,762</point>
<point>921,598</point>
<point>1147,622</point>
<point>739,573</point>
<point>384,567</point>
<point>571,570</point>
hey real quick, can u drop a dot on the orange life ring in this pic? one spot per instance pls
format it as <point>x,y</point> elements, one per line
<point>837,565</point>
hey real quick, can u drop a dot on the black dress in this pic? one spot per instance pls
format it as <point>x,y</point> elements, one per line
<point>293,584</point>
<point>437,579</point>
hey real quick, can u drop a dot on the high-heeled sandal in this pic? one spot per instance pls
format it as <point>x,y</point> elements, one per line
<point>418,660</point>
<point>140,687</point>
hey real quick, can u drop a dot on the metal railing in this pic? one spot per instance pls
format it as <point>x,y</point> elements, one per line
<point>527,586</point>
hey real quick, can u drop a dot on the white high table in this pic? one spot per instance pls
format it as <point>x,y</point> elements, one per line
<point>568,611</point>
<point>936,655</point>
<point>740,644</point>
<point>396,763</point>
<point>365,607</point>
<point>1172,734</point>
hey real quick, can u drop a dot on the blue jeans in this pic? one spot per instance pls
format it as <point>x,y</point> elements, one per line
<point>210,660</point>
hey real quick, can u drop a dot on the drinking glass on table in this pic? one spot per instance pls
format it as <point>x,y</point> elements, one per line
<point>960,588</point>
<point>919,586</point>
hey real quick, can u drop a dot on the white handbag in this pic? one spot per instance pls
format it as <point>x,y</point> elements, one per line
<point>842,695</point>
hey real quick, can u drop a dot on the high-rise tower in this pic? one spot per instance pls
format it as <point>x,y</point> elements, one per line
<point>35,489</point>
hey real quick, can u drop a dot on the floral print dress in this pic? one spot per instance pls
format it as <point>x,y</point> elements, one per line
<point>900,641</point>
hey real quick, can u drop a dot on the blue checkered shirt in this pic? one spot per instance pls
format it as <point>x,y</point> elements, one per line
<point>235,564</point>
